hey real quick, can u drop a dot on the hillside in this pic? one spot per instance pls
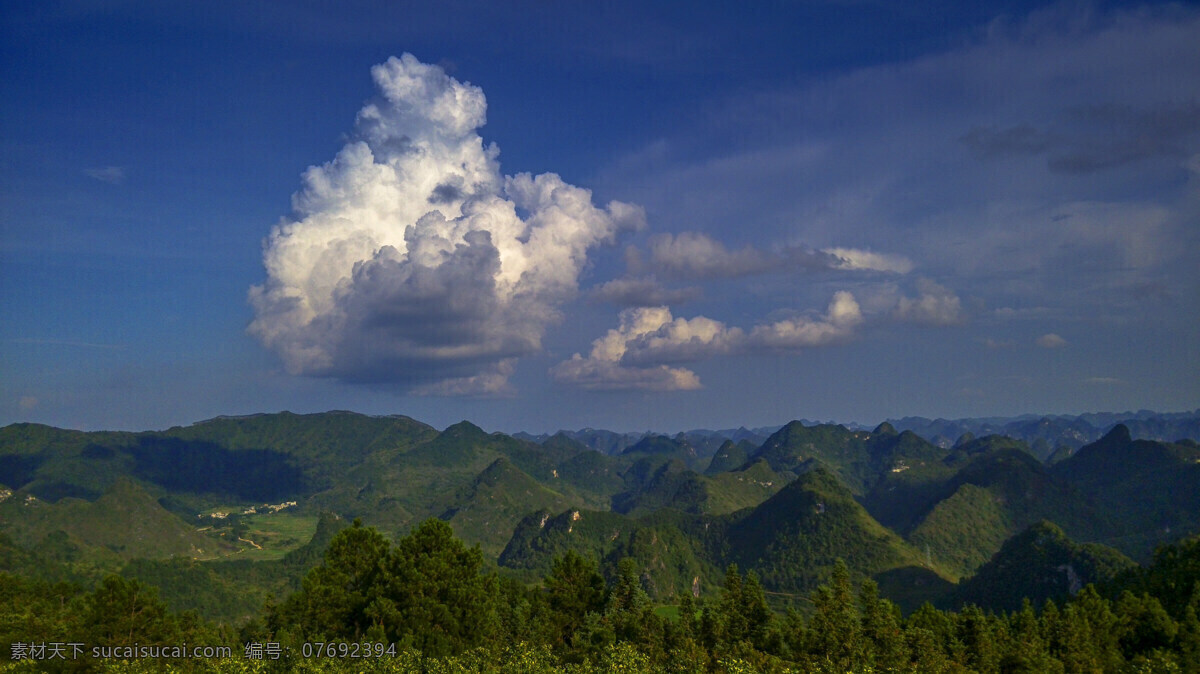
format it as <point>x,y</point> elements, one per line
<point>1038,564</point>
<point>125,522</point>
<point>793,539</point>
<point>488,510</point>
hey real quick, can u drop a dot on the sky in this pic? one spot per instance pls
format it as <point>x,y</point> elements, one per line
<point>624,215</point>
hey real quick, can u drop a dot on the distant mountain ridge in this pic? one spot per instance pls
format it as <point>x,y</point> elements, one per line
<point>1044,433</point>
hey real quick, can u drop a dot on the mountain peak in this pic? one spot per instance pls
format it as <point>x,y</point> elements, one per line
<point>1118,434</point>
<point>884,429</point>
<point>464,429</point>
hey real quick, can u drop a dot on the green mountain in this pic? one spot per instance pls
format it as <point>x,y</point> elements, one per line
<point>123,523</point>
<point>993,496</point>
<point>1040,563</point>
<point>1148,491</point>
<point>793,539</point>
<point>729,456</point>
<point>859,459</point>
<point>671,485</point>
<point>174,507</point>
<point>487,511</point>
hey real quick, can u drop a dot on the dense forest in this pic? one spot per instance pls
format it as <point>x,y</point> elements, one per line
<point>427,604</point>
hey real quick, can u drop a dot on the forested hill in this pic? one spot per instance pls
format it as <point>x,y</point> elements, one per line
<point>222,508</point>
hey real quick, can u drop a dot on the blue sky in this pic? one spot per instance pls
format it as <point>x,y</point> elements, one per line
<point>624,215</point>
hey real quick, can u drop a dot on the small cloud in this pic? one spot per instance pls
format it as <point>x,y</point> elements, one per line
<point>838,324</point>
<point>27,403</point>
<point>865,260</point>
<point>1103,381</point>
<point>693,255</point>
<point>601,375</point>
<point>997,343</point>
<point>934,305</point>
<point>1050,341</point>
<point>113,175</point>
<point>490,384</point>
<point>1011,314</point>
<point>641,292</point>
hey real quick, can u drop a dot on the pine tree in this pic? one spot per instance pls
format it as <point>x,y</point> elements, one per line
<point>574,588</point>
<point>121,612</point>
<point>1144,625</point>
<point>883,639</point>
<point>335,596</point>
<point>433,596</point>
<point>1027,652</point>
<point>835,636</point>
<point>629,610</point>
<point>1189,634</point>
<point>978,634</point>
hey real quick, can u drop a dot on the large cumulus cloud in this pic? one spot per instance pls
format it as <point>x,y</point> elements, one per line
<point>411,260</point>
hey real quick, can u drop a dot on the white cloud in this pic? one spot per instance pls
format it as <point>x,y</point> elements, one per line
<point>27,403</point>
<point>1050,341</point>
<point>839,322</point>
<point>934,305</point>
<point>604,375</point>
<point>636,354</point>
<point>694,255</point>
<point>113,175</point>
<point>856,259</point>
<point>643,332</point>
<point>412,260</point>
<point>642,292</point>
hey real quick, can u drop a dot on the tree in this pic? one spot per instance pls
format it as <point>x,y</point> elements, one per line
<point>574,588</point>
<point>425,592</point>
<point>121,612</point>
<point>1189,633</point>
<point>1144,624</point>
<point>881,632</point>
<point>335,596</point>
<point>835,635</point>
<point>1027,650</point>
<point>629,610</point>
<point>433,596</point>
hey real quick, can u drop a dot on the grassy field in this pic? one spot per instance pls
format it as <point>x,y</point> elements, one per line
<point>267,536</point>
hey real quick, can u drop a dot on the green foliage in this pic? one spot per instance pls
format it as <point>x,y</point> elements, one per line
<point>425,592</point>
<point>1038,564</point>
<point>574,589</point>
<point>1143,624</point>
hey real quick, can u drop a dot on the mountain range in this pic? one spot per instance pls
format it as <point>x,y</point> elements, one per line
<point>222,512</point>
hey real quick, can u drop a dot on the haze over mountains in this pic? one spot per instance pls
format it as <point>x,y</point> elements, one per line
<point>222,512</point>
<point>1039,431</point>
